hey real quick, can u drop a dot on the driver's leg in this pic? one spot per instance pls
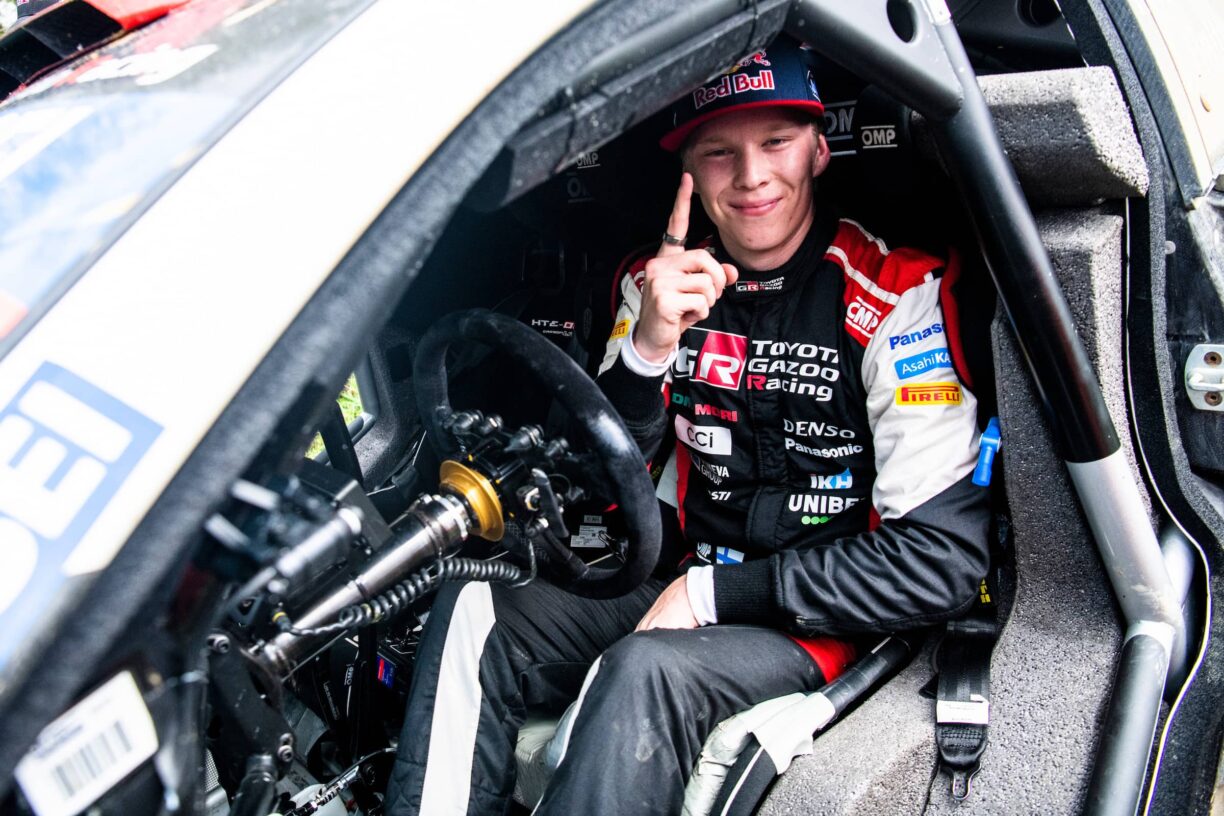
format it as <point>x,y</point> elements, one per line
<point>649,705</point>
<point>487,653</point>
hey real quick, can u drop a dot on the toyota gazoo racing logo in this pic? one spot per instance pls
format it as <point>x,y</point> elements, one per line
<point>719,362</point>
<point>796,368</point>
<point>771,285</point>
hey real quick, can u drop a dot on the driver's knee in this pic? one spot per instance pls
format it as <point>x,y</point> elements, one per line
<point>650,663</point>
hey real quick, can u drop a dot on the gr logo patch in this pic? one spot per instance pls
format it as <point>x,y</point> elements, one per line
<point>720,362</point>
<point>926,394</point>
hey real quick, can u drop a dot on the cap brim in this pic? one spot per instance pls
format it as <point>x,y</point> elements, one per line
<point>673,140</point>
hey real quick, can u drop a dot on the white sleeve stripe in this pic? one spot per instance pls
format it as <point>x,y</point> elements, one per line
<point>861,279</point>
<point>882,246</point>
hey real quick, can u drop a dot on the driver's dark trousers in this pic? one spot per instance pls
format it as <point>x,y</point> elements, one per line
<point>646,701</point>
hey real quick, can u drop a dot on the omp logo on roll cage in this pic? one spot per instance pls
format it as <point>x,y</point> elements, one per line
<point>66,447</point>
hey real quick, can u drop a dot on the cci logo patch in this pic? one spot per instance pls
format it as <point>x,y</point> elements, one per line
<point>66,447</point>
<point>720,362</point>
<point>912,366</point>
<point>937,393</point>
<point>714,441</point>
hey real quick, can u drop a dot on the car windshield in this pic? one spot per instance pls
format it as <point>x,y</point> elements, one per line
<point>84,150</point>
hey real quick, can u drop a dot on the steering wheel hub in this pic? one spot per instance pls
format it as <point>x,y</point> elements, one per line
<point>479,494</point>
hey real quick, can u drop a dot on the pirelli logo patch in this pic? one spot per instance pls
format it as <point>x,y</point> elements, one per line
<point>621,329</point>
<point>936,393</point>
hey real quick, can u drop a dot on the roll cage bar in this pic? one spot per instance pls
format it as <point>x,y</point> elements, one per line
<point>912,51</point>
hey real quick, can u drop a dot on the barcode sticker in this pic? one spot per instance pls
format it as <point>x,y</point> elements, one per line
<point>88,749</point>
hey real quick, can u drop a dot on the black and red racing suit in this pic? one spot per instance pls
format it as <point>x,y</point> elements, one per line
<point>822,471</point>
<point>824,443</point>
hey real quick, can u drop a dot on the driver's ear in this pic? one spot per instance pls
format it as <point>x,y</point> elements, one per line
<point>820,156</point>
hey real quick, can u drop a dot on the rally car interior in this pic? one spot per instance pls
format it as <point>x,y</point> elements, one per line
<point>546,248</point>
<point>476,444</point>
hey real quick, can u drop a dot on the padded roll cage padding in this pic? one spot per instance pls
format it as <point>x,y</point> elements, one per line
<point>601,426</point>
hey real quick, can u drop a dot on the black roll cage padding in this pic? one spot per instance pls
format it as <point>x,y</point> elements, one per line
<point>568,384</point>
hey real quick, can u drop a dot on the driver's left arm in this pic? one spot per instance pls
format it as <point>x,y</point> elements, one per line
<point>925,559</point>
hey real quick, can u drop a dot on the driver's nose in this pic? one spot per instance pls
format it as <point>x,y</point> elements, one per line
<point>751,169</point>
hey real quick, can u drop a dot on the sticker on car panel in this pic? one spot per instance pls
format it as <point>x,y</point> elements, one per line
<point>66,447</point>
<point>88,749</point>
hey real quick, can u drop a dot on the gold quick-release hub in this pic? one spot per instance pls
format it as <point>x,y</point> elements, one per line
<point>480,496</point>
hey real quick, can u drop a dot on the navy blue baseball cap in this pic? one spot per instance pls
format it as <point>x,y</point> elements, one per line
<point>778,76</point>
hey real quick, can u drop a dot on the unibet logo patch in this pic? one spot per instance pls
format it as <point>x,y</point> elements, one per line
<point>815,519</point>
<point>937,393</point>
<point>913,366</point>
<point>621,329</point>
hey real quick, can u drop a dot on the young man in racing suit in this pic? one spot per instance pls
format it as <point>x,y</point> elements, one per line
<point>821,475</point>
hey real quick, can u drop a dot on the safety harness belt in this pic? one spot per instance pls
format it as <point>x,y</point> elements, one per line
<point>962,706</point>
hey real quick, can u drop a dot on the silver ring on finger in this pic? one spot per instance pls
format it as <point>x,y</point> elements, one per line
<point>672,240</point>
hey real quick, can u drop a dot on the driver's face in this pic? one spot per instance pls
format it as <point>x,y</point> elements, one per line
<point>753,170</point>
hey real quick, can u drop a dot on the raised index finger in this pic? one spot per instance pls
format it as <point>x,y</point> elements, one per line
<point>678,222</point>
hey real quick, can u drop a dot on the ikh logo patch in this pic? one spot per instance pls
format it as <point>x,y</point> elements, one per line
<point>837,481</point>
<point>714,441</point>
<point>936,393</point>
<point>621,329</point>
<point>915,336</point>
<point>913,366</point>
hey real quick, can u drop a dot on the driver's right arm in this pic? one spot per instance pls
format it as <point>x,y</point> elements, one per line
<point>661,298</point>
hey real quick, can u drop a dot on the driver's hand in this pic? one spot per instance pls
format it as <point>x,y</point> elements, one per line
<point>681,286</point>
<point>671,610</point>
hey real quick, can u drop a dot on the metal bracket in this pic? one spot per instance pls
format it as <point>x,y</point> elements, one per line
<point>1205,377</point>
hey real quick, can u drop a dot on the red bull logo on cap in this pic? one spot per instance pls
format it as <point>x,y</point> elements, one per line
<point>732,84</point>
<point>758,58</point>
